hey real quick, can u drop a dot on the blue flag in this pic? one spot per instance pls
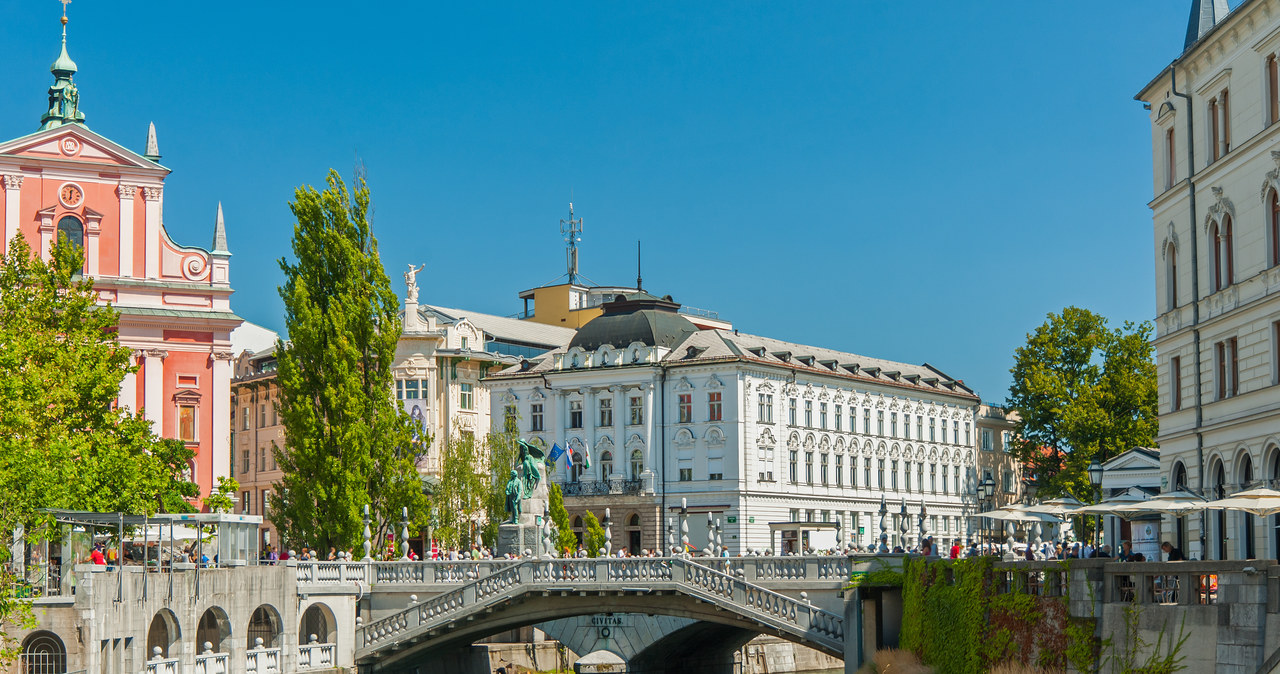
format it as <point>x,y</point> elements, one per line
<point>556,451</point>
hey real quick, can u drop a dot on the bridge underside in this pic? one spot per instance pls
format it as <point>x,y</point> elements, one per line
<point>415,652</point>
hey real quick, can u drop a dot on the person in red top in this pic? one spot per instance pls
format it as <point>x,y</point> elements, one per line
<point>955,549</point>
<point>96,556</point>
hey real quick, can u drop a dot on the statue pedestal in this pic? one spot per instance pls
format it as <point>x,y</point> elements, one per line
<point>514,539</point>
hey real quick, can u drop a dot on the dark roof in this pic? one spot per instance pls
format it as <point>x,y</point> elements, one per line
<point>637,317</point>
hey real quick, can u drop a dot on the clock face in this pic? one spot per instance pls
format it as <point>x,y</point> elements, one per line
<point>70,195</point>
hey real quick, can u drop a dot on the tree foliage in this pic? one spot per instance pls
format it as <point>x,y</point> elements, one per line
<point>63,441</point>
<point>593,534</point>
<point>461,497</point>
<point>565,540</point>
<point>347,444</point>
<point>1083,391</point>
<point>221,499</point>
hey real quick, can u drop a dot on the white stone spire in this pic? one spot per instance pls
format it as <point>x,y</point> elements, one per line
<point>153,148</point>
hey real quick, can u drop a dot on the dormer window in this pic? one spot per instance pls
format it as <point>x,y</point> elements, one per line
<point>807,360</point>
<point>784,356</point>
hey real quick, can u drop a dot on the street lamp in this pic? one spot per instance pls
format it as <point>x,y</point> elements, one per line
<point>1095,478</point>
<point>987,489</point>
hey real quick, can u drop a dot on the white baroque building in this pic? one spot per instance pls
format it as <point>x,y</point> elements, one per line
<point>1216,215</point>
<point>753,430</point>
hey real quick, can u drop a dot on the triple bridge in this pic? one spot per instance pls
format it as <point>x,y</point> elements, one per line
<point>414,611</point>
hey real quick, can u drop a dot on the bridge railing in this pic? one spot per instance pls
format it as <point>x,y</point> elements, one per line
<point>402,573</point>
<point>316,655</point>
<point>835,568</point>
<point>698,578</point>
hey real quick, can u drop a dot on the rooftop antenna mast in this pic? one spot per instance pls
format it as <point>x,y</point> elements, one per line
<point>571,229</point>
<point>638,286</point>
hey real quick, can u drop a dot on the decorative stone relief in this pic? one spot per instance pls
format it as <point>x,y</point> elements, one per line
<point>13,181</point>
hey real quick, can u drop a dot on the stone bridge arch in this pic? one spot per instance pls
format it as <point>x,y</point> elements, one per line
<point>567,588</point>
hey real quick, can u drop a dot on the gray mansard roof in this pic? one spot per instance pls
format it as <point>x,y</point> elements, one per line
<point>506,329</point>
<point>727,345</point>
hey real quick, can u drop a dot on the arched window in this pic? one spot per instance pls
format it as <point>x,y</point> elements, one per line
<point>1220,491</point>
<point>70,227</point>
<point>1247,538</point>
<point>213,629</point>
<point>633,534</point>
<point>1171,276</point>
<point>637,464</point>
<point>1224,265</point>
<point>264,624</point>
<point>578,528</point>
<point>43,653</point>
<point>164,636</point>
<point>317,626</point>
<point>606,465</point>
<point>1273,228</point>
<point>1180,524</point>
<point>1274,474</point>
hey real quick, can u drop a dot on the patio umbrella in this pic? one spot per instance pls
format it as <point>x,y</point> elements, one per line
<point>1175,503</point>
<point>1260,501</point>
<point>1109,506</point>
<point>1063,505</point>
<point>1010,515</point>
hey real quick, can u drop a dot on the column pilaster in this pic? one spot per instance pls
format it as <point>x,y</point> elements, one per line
<point>153,388</point>
<point>221,448</point>
<point>152,197</point>
<point>127,193</point>
<point>12,202</point>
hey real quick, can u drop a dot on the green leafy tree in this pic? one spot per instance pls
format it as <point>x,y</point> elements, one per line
<point>593,537</point>
<point>501,454</point>
<point>1083,391</point>
<point>347,444</point>
<point>461,497</point>
<point>565,540</point>
<point>221,499</point>
<point>63,441</point>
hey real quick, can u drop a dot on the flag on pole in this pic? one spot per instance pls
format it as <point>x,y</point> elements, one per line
<point>556,451</point>
<point>586,456</point>
<point>568,457</point>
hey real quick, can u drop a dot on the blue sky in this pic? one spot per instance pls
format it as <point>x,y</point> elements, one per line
<point>913,181</point>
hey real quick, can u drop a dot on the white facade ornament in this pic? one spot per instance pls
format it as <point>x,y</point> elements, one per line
<point>1272,179</point>
<point>152,193</point>
<point>13,181</point>
<point>1221,206</point>
<point>411,282</point>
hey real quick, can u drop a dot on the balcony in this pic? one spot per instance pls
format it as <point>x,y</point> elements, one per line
<point>600,487</point>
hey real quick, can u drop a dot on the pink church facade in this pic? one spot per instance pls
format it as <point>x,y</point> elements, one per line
<point>174,300</point>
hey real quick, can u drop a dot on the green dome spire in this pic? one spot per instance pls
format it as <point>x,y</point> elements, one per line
<point>64,99</point>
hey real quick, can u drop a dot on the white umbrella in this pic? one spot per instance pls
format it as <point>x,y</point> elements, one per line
<point>1175,503</point>
<point>1019,516</point>
<point>1109,506</point>
<point>1063,505</point>
<point>1260,501</point>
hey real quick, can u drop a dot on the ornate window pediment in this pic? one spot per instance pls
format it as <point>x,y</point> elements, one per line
<point>684,384</point>
<point>1272,179</point>
<point>684,438</point>
<point>714,437</point>
<point>1220,208</point>
<point>714,383</point>
<point>766,439</point>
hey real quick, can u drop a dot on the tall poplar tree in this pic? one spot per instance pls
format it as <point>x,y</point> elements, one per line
<point>347,444</point>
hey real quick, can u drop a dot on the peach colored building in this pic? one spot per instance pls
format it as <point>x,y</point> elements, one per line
<point>174,300</point>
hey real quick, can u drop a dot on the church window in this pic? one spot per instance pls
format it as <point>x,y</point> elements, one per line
<point>70,228</point>
<point>187,423</point>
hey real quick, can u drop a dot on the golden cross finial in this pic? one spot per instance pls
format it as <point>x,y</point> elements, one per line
<point>64,10</point>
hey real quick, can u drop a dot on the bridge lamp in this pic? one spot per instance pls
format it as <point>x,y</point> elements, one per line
<point>1095,478</point>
